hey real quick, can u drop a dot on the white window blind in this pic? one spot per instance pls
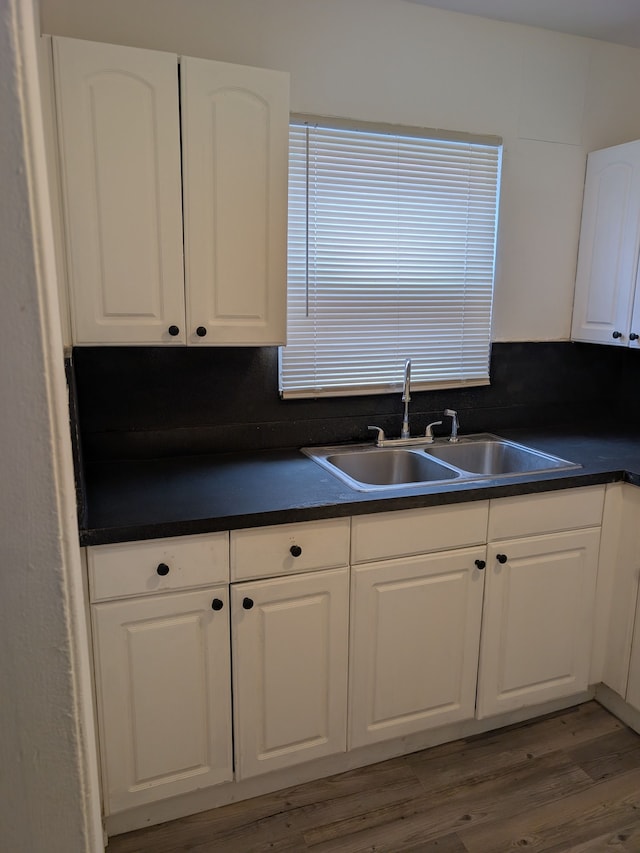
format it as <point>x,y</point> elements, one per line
<point>391,256</point>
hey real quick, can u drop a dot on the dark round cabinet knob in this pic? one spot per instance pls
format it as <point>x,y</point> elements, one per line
<point>217,604</point>
<point>201,332</point>
<point>173,331</point>
<point>480,564</point>
<point>616,335</point>
<point>295,550</point>
<point>163,569</point>
<point>247,603</point>
<point>633,336</point>
<point>501,558</point>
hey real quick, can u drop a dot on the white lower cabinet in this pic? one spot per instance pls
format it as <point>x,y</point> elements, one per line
<point>335,634</point>
<point>538,615</point>
<point>633,683</point>
<point>620,563</point>
<point>290,641</point>
<point>164,695</point>
<point>162,662</point>
<point>415,631</point>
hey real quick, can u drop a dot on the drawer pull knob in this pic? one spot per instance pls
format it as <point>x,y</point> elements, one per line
<point>480,564</point>
<point>173,331</point>
<point>247,603</point>
<point>616,335</point>
<point>217,604</point>
<point>295,550</point>
<point>163,569</point>
<point>501,558</point>
<point>634,336</point>
<point>201,332</point>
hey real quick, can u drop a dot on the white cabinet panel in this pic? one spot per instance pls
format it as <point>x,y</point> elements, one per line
<point>413,531</point>
<point>415,632</point>
<point>633,683</point>
<point>290,669</point>
<point>235,122</point>
<point>163,676</point>
<point>550,512</point>
<point>537,620</point>
<point>286,549</point>
<point>123,168</point>
<point>156,565</point>
<point>608,253</point>
<point>119,136</point>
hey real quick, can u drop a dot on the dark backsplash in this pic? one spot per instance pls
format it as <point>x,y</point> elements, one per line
<point>153,401</point>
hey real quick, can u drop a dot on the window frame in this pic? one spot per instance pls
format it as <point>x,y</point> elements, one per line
<point>430,136</point>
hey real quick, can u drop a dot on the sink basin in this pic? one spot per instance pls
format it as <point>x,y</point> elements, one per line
<point>390,467</point>
<point>366,468</point>
<point>494,457</point>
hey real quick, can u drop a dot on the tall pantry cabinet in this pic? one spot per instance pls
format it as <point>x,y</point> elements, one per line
<point>174,184</point>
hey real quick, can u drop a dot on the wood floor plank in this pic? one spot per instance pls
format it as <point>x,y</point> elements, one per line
<point>447,844</point>
<point>561,730</point>
<point>609,755</point>
<point>292,844</point>
<point>445,810</point>
<point>275,816</point>
<point>602,808</point>
<point>623,840</point>
<point>567,783</point>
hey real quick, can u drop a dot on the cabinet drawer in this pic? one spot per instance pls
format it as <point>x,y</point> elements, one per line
<point>417,531</point>
<point>527,515</point>
<point>131,568</point>
<point>271,551</point>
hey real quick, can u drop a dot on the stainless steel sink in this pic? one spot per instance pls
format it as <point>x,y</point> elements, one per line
<point>390,467</point>
<point>476,457</point>
<point>494,457</point>
<point>367,469</point>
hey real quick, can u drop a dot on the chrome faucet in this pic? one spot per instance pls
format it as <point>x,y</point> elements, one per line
<point>406,399</point>
<point>405,435</point>
<point>454,424</point>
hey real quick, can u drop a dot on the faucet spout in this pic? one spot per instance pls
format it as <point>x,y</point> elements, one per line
<point>450,413</point>
<point>406,399</point>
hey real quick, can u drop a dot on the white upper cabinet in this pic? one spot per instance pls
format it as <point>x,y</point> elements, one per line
<point>607,298</point>
<point>119,132</point>
<point>119,113</point>
<point>235,154</point>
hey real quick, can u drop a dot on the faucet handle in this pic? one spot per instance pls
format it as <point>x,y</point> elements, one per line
<point>428,433</point>
<point>380,437</point>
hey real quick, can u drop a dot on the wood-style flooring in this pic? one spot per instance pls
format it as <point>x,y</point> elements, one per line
<point>566,782</point>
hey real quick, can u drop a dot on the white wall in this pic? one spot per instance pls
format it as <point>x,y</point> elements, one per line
<point>48,776</point>
<point>552,97</point>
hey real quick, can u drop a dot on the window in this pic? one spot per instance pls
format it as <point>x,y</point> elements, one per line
<point>391,256</point>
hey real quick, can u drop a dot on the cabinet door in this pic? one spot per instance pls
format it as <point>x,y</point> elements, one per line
<point>235,123</point>
<point>289,669</point>
<point>608,254</point>
<point>538,620</point>
<point>633,683</point>
<point>634,333</point>
<point>415,634</point>
<point>119,136</point>
<point>164,695</point>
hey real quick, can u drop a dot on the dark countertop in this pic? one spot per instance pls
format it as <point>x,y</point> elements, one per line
<point>151,498</point>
